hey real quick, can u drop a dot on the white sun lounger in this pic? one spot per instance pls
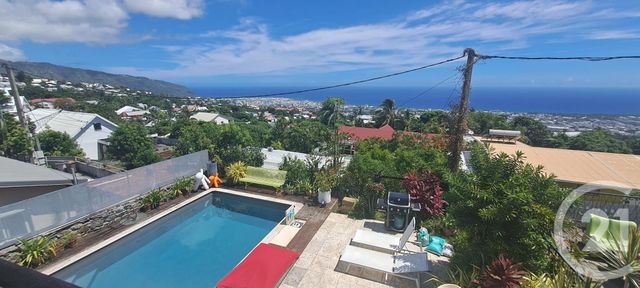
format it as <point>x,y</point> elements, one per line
<point>382,267</point>
<point>381,241</point>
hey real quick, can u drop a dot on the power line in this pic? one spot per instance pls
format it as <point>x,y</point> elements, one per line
<point>427,91</point>
<point>582,58</point>
<point>344,84</point>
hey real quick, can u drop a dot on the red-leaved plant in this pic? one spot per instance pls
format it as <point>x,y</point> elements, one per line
<point>426,190</point>
<point>501,273</point>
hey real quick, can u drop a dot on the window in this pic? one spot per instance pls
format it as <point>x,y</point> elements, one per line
<point>97,126</point>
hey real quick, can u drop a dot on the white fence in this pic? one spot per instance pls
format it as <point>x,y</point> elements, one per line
<point>49,211</point>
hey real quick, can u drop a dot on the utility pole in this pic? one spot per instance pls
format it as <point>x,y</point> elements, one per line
<point>460,114</point>
<point>16,97</point>
<point>37,157</point>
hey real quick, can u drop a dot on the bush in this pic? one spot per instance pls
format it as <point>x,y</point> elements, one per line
<point>443,225</point>
<point>296,171</point>
<point>504,206</point>
<point>426,190</point>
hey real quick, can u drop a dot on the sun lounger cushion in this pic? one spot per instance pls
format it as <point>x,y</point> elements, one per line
<point>263,267</point>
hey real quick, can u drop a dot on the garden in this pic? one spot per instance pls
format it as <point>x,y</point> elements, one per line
<point>499,218</point>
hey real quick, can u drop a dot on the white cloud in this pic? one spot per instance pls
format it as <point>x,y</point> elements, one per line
<point>179,9</point>
<point>83,21</point>
<point>434,33</point>
<point>10,53</point>
<point>614,34</point>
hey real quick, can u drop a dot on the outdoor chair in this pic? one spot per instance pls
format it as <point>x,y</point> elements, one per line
<point>383,242</point>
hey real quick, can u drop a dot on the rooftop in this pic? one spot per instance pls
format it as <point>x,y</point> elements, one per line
<point>362,133</point>
<point>577,166</point>
<point>14,173</point>
<point>63,121</point>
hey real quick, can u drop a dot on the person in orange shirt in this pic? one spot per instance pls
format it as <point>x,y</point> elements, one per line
<point>215,180</point>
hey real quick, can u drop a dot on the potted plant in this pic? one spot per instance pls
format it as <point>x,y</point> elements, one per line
<point>70,239</point>
<point>325,180</point>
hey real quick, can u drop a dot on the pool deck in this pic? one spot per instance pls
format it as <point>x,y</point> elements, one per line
<point>315,267</point>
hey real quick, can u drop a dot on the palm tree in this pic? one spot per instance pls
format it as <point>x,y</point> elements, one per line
<point>329,115</point>
<point>330,111</point>
<point>387,113</point>
<point>403,122</point>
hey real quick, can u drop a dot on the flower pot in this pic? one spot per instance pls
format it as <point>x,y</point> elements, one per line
<point>324,196</point>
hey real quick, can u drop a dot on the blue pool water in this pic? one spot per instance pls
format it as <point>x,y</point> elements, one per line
<point>195,246</point>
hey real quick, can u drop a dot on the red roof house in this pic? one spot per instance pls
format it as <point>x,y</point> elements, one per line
<point>361,133</point>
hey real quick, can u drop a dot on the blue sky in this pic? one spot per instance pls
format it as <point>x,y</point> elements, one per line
<point>311,43</point>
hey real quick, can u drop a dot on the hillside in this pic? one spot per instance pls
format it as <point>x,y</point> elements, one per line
<point>77,75</point>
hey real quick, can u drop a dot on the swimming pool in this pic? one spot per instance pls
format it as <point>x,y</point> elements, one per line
<point>194,246</point>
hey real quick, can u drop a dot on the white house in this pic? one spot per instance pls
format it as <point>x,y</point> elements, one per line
<point>84,128</point>
<point>10,106</point>
<point>210,117</point>
<point>126,109</point>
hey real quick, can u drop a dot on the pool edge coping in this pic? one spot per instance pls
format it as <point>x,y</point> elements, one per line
<point>49,270</point>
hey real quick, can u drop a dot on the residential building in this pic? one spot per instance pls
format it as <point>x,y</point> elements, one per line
<point>126,109</point>
<point>139,115</point>
<point>10,106</point>
<point>275,158</point>
<point>20,180</point>
<point>357,134</point>
<point>386,132</point>
<point>576,167</point>
<point>85,128</point>
<point>210,117</point>
<point>52,103</point>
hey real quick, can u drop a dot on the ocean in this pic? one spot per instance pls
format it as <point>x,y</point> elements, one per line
<point>612,101</point>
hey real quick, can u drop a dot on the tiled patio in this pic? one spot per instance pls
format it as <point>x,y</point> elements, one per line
<point>315,268</point>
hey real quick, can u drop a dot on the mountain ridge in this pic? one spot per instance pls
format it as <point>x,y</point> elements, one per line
<point>78,75</point>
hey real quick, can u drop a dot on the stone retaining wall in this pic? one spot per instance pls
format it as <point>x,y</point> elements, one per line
<point>113,217</point>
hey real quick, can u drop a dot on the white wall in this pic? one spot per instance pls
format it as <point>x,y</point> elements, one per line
<point>88,138</point>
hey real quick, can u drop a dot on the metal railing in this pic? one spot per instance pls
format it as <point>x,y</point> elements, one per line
<point>613,205</point>
<point>50,211</point>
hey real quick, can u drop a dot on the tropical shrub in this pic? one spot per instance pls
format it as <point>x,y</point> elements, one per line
<point>326,179</point>
<point>504,206</point>
<point>442,225</point>
<point>297,172</point>
<point>36,251</point>
<point>151,200</point>
<point>425,189</point>
<point>501,273</point>
<point>462,277</point>
<point>563,276</point>
<point>69,240</point>
<point>182,186</point>
<point>236,171</point>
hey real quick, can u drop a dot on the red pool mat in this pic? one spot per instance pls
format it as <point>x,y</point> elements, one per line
<point>263,268</point>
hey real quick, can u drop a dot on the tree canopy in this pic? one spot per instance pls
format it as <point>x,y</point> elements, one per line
<point>503,206</point>
<point>386,113</point>
<point>54,143</point>
<point>130,145</point>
